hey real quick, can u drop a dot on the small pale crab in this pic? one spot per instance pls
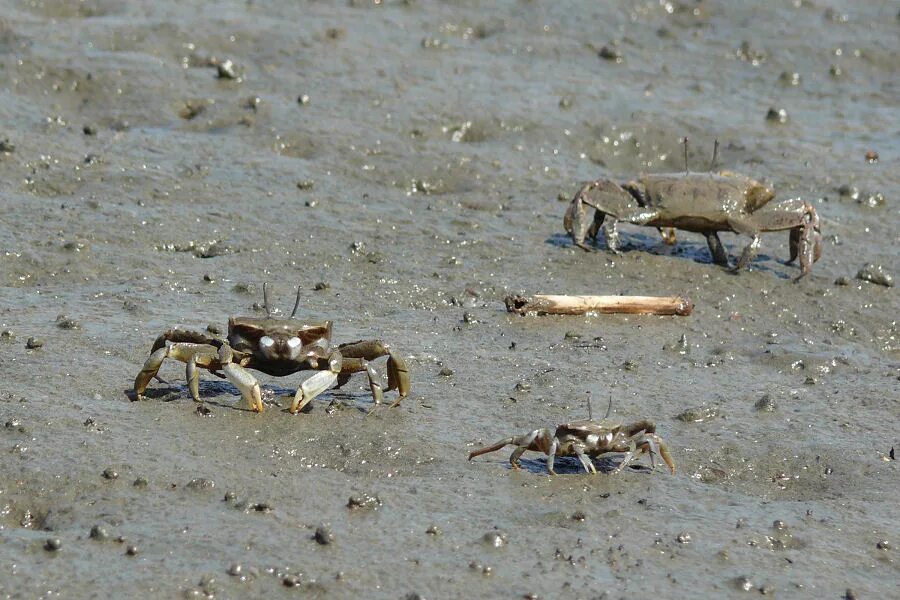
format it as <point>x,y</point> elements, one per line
<point>587,439</point>
<point>275,346</point>
<point>705,203</point>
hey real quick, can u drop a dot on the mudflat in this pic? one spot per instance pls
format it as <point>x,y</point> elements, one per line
<point>408,165</point>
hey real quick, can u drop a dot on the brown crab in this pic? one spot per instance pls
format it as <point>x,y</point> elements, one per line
<point>705,203</point>
<point>275,346</point>
<point>587,439</point>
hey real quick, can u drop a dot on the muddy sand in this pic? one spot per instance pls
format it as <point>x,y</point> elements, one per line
<point>407,165</point>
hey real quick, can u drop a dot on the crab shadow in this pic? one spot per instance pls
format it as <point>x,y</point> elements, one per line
<point>686,247</point>
<point>275,397</point>
<point>567,465</point>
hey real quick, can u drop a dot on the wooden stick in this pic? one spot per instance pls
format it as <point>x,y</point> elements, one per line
<point>542,304</point>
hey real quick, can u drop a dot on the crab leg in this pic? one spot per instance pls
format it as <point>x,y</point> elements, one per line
<point>317,384</point>
<point>719,255</point>
<point>241,378</point>
<point>199,354</point>
<point>361,352</point>
<point>539,440</point>
<point>585,461</point>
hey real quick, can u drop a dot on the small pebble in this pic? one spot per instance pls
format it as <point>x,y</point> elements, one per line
<point>610,53</point>
<point>66,322</point>
<point>52,544</point>
<point>469,318</point>
<point>446,372</point>
<point>131,550</point>
<point>434,530</point>
<point>306,184</point>
<point>89,130</point>
<point>7,147</point>
<point>230,497</point>
<point>779,524</point>
<point>98,532</point>
<point>290,581</point>
<point>579,516</point>
<point>110,474</point>
<point>572,335</point>
<point>201,484</point>
<point>683,538</point>
<point>777,115</point>
<point>226,70</point>
<point>523,386</point>
<point>303,99</point>
<point>629,365</point>
<point>766,404</point>
<point>364,501</point>
<point>141,481</point>
<point>842,281</point>
<point>7,335</point>
<point>235,570</point>
<point>321,286</point>
<point>743,583</point>
<point>494,538</point>
<point>850,595</point>
<point>34,343</point>
<point>324,535</point>
<point>875,274</point>
<point>883,545</point>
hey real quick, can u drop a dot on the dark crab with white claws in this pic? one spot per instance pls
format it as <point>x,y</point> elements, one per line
<point>275,346</point>
<point>705,203</point>
<point>587,439</point>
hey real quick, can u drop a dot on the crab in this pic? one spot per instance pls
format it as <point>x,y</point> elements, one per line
<point>275,346</point>
<point>705,203</point>
<point>587,439</point>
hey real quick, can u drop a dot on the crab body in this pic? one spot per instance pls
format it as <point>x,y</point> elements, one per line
<point>278,347</point>
<point>705,203</point>
<point>586,439</point>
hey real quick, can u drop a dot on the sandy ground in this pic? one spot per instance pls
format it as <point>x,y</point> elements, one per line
<point>411,156</point>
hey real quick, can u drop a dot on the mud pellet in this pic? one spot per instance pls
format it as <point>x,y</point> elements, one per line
<point>99,533</point>
<point>236,570</point>
<point>446,372</point>
<point>303,99</point>
<point>305,184</point>
<point>579,516</point>
<point>324,536</point>
<point>201,484</point>
<point>110,474</point>
<point>140,482</point>
<point>434,530</point>
<point>34,343</point>
<point>683,538</point>
<point>52,544</point>
<point>494,538</point>
<point>765,404</point>
<point>230,497</point>
<point>777,115</point>
<point>131,550</point>
<point>89,130</point>
<point>875,274</point>
<point>610,53</point>
<point>850,595</point>
<point>321,286</point>
<point>66,322</point>
<point>290,581</point>
<point>883,545</point>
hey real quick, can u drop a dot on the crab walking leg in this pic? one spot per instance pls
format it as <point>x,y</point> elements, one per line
<point>663,451</point>
<point>356,356</point>
<point>202,354</point>
<point>317,384</point>
<point>585,461</point>
<point>626,460</point>
<point>716,249</point>
<point>242,379</point>
<point>551,455</point>
<point>355,365</point>
<point>539,440</point>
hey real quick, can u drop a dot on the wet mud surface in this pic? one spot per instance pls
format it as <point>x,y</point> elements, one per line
<point>411,156</point>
